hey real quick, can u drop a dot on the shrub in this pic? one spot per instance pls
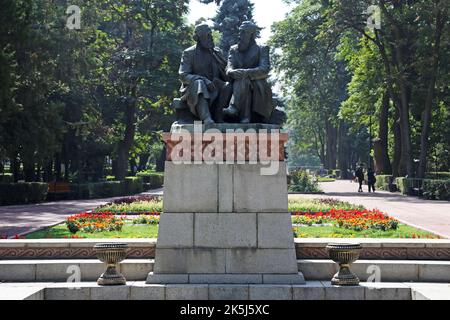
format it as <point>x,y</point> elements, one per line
<point>384,182</point>
<point>436,189</point>
<point>401,185</point>
<point>438,175</point>
<point>22,193</point>
<point>153,180</point>
<point>6,178</point>
<point>133,185</point>
<point>300,181</point>
<point>107,189</point>
<point>79,191</point>
<point>146,219</point>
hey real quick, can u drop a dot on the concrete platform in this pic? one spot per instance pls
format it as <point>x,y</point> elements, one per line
<point>312,290</point>
<point>137,270</point>
<point>373,249</point>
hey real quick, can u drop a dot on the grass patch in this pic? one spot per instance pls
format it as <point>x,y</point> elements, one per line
<point>297,204</point>
<point>151,231</point>
<point>128,231</point>
<point>403,232</point>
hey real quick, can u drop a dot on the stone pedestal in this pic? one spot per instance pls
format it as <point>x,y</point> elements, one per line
<point>225,223</point>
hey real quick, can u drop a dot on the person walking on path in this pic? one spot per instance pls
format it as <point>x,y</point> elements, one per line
<point>360,175</point>
<point>371,180</point>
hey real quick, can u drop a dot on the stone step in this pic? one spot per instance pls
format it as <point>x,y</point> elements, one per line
<point>373,249</point>
<point>137,270</point>
<point>312,290</point>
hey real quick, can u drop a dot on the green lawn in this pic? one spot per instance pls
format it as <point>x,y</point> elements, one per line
<point>296,204</point>
<point>151,231</point>
<point>403,231</point>
<point>128,231</point>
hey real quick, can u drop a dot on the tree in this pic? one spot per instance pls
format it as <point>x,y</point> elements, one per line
<point>315,80</point>
<point>229,18</point>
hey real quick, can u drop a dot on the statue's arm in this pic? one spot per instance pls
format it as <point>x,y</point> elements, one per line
<point>231,67</point>
<point>262,71</point>
<point>185,72</point>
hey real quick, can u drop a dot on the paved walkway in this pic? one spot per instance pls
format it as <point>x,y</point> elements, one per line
<point>433,216</point>
<point>16,220</point>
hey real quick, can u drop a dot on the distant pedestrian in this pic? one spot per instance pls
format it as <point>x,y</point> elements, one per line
<point>371,180</point>
<point>360,176</point>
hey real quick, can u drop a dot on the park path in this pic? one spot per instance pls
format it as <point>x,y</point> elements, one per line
<point>433,216</point>
<point>16,220</point>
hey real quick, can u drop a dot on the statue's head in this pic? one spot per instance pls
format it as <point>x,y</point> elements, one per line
<point>248,32</point>
<point>203,36</point>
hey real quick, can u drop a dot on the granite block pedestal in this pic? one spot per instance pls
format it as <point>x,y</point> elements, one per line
<point>226,223</point>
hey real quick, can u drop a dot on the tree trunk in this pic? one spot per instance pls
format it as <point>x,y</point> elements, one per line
<point>428,112</point>
<point>331,145</point>
<point>382,161</point>
<point>127,142</point>
<point>397,170</point>
<point>343,151</point>
<point>29,170</point>
<point>15,167</point>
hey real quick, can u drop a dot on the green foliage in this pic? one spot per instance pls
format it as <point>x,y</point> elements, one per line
<point>133,185</point>
<point>383,182</point>
<point>402,185</point>
<point>80,97</point>
<point>299,204</point>
<point>301,181</point>
<point>146,219</point>
<point>229,18</point>
<point>436,189</point>
<point>438,175</point>
<point>402,232</point>
<point>22,193</point>
<point>336,72</point>
<point>152,206</point>
<point>153,180</point>
<point>129,231</point>
<point>6,178</point>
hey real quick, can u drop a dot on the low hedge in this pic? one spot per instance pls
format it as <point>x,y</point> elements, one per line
<point>384,182</point>
<point>152,180</point>
<point>23,193</point>
<point>438,175</point>
<point>106,189</point>
<point>402,185</point>
<point>436,189</point>
<point>133,185</point>
<point>6,178</point>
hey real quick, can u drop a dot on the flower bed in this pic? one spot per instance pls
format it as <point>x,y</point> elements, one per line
<point>147,219</point>
<point>357,220</point>
<point>93,222</point>
<point>149,205</point>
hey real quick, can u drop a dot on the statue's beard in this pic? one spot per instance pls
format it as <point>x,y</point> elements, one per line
<point>243,45</point>
<point>208,45</point>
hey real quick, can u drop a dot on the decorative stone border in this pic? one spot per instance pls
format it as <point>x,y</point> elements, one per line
<point>373,249</point>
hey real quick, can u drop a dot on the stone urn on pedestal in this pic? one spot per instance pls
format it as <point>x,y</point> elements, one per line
<point>344,255</point>
<point>111,254</point>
